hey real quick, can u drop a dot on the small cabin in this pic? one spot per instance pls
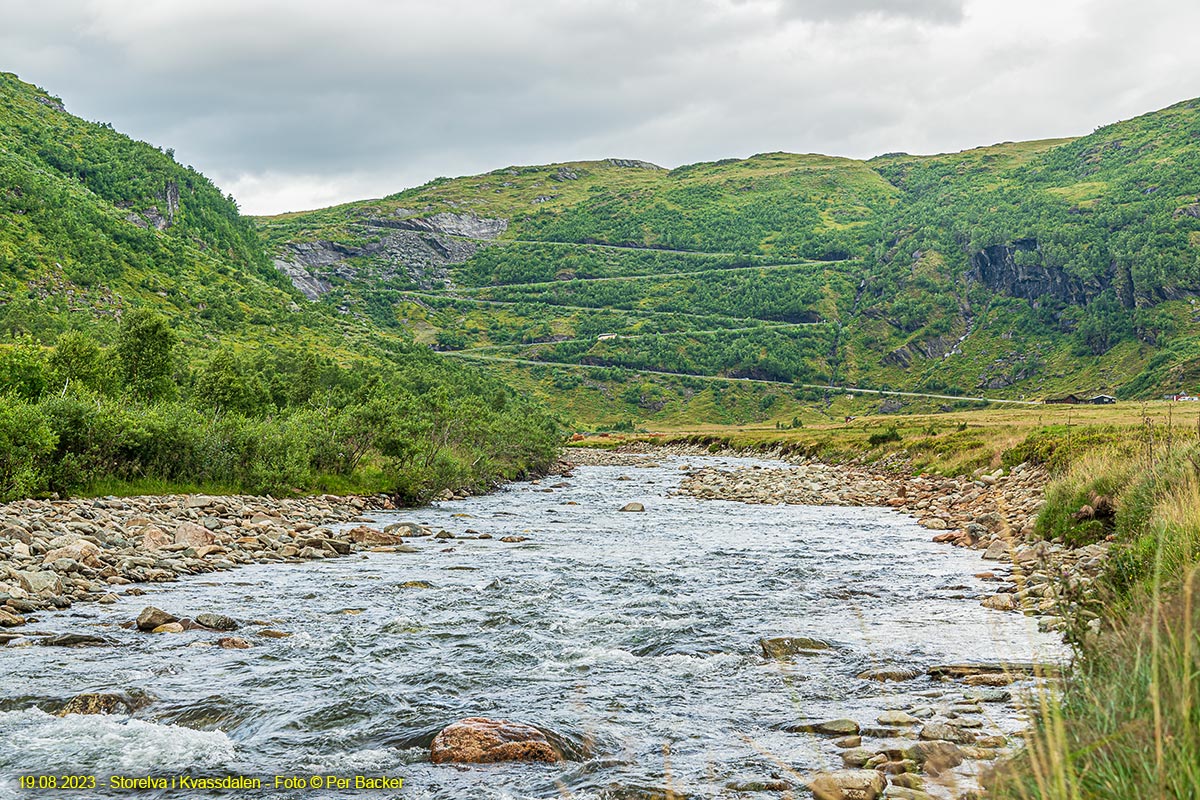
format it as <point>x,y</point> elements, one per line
<point>1103,400</point>
<point>1069,400</point>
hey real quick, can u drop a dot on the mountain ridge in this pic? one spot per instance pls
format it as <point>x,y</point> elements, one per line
<point>1020,268</point>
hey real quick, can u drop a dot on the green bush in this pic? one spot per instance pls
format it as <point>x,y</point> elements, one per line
<point>26,448</point>
<point>414,429</point>
<point>145,354</point>
<point>23,369</point>
<point>79,362</point>
<point>884,437</point>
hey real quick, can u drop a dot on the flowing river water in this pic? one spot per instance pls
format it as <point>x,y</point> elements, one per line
<point>631,636</point>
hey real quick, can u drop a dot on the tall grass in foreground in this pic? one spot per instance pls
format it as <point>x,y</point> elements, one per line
<point>1127,726</point>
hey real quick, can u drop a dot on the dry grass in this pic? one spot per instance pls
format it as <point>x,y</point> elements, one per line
<point>955,442</point>
<point>1128,725</point>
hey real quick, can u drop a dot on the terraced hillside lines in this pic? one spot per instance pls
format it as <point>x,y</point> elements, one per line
<point>483,323</point>
<point>666,275</point>
<point>624,337</point>
<point>453,296</point>
<point>788,293</point>
<point>762,381</point>
<point>624,248</point>
<point>508,262</point>
<point>790,354</point>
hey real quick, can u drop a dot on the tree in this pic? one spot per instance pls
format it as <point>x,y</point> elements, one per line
<point>145,354</point>
<point>227,382</point>
<point>23,369</point>
<point>78,361</point>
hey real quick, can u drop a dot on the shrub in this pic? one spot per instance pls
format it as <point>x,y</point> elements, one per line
<point>78,362</point>
<point>26,448</point>
<point>417,428</point>
<point>23,370</point>
<point>884,437</point>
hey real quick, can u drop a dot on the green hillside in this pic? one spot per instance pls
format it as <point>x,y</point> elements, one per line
<point>1016,270</point>
<point>92,222</point>
<point>147,341</point>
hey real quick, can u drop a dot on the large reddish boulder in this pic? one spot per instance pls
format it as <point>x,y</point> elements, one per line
<point>81,550</point>
<point>153,538</point>
<point>370,536</point>
<point>192,535</point>
<point>477,740</point>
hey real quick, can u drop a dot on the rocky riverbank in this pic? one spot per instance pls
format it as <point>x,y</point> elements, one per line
<point>57,552</point>
<point>951,719</point>
<point>993,511</point>
<point>54,553</point>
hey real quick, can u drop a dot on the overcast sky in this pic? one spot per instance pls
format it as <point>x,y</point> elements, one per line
<point>304,103</point>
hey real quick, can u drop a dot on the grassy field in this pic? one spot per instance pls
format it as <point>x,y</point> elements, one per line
<point>952,442</point>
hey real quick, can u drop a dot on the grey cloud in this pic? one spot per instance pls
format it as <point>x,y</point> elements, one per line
<point>302,103</point>
<point>825,10</point>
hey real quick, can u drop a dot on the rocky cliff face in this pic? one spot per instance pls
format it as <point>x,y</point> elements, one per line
<point>467,225</point>
<point>996,267</point>
<point>933,348</point>
<point>151,216</point>
<point>418,249</point>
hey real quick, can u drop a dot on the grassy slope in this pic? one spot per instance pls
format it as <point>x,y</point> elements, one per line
<point>1110,213</point>
<point>602,202</point>
<point>67,245</point>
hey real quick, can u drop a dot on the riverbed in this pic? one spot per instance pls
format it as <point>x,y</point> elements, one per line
<point>631,637</point>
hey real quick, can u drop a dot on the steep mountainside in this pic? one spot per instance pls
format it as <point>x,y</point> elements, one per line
<point>1020,269</point>
<point>92,222</point>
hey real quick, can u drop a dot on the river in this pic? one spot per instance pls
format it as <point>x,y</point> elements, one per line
<point>631,636</point>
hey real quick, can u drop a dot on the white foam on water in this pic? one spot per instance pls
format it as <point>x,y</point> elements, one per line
<point>355,761</point>
<point>104,743</point>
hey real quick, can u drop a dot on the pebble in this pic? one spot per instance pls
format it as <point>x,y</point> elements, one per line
<point>233,643</point>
